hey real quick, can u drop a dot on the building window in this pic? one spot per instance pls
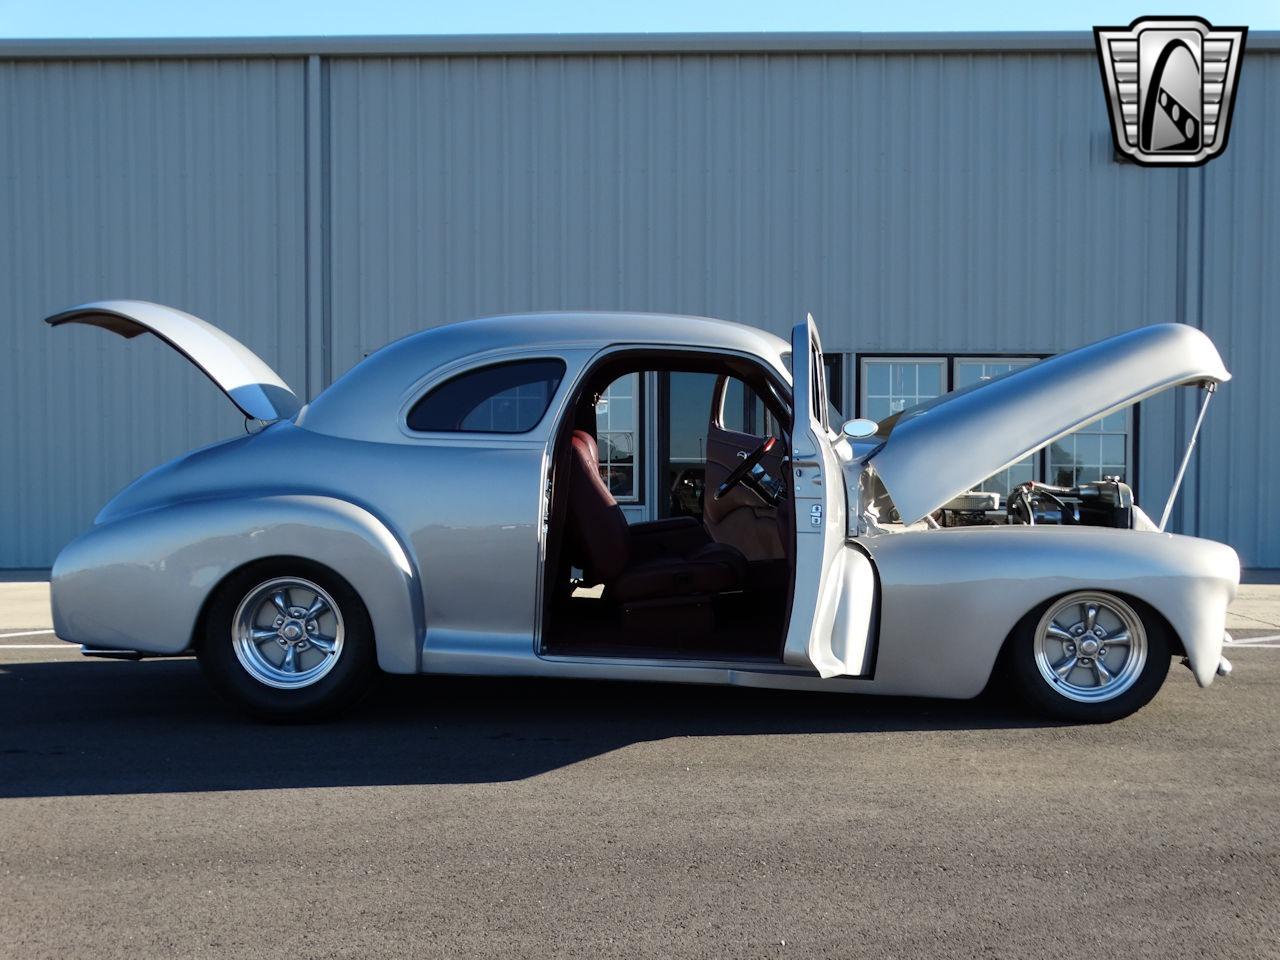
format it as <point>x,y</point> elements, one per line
<point>617,430</point>
<point>1092,452</point>
<point>888,385</point>
<point>891,384</point>
<point>503,398</point>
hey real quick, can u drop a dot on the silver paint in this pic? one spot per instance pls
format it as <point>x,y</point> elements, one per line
<point>441,535</point>
<point>238,372</point>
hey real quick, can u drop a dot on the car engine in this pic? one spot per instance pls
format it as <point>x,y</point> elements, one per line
<point>1103,503</point>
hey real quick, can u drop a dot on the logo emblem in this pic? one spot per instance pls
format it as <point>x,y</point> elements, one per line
<point>1171,86</point>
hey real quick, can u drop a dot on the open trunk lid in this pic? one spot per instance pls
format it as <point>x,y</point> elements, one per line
<point>941,448</point>
<point>240,373</point>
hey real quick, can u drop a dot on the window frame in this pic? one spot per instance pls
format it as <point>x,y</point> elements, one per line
<point>941,360</point>
<point>457,372</point>
<point>638,465</point>
<point>949,361</point>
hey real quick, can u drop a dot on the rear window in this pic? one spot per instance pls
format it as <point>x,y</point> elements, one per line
<point>503,398</point>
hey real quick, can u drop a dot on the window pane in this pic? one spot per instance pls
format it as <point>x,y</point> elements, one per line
<point>617,430</point>
<point>733,416</point>
<point>1007,479</point>
<point>876,378</point>
<point>835,381</point>
<point>504,398</point>
<point>688,410</point>
<point>877,408</point>
<point>929,380</point>
<point>1112,450</point>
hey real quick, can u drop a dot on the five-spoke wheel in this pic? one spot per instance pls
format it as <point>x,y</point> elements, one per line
<point>1090,646</point>
<point>287,639</point>
<point>288,633</point>
<point>1089,656</point>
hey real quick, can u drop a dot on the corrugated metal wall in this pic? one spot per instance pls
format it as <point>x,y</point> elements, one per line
<point>1239,306</point>
<point>914,202</point>
<point>910,202</point>
<point>166,180</point>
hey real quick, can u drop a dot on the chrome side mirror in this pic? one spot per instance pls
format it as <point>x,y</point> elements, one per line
<point>859,429</point>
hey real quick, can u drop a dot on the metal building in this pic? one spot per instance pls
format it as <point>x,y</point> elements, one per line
<point>943,204</point>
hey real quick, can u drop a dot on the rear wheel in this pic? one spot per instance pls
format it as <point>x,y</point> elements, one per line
<point>288,639</point>
<point>1089,657</point>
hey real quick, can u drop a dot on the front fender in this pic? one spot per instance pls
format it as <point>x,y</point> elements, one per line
<point>950,597</point>
<point>140,582</point>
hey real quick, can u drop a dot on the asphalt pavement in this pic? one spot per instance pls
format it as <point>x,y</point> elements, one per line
<point>495,818</point>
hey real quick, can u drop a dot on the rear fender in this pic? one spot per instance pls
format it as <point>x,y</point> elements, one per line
<point>141,582</point>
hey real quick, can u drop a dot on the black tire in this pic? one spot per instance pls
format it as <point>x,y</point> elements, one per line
<point>1035,690</point>
<point>346,681</point>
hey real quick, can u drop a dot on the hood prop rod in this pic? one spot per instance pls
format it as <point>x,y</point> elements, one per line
<point>1209,388</point>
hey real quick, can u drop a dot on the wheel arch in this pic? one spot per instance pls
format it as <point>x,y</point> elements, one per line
<point>284,560</point>
<point>1148,613</point>
<point>144,582</point>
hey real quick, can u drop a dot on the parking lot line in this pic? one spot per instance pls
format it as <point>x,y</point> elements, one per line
<point>26,633</point>
<point>1271,640</point>
<point>36,646</point>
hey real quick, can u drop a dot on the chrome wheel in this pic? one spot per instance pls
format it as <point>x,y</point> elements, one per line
<point>1090,647</point>
<point>287,633</point>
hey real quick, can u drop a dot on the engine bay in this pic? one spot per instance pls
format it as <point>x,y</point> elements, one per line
<point>1103,503</point>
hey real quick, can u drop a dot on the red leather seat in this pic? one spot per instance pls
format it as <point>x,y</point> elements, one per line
<point>669,558</point>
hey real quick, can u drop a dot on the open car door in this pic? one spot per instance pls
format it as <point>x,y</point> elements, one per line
<point>834,592</point>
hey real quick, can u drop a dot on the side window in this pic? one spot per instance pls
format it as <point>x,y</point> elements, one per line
<point>503,398</point>
<point>744,412</point>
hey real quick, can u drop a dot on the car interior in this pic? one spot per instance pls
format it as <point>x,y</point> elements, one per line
<point>711,578</point>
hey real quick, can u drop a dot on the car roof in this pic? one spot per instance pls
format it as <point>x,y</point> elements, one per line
<point>370,394</point>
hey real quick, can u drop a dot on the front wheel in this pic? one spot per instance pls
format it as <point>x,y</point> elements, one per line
<point>1089,657</point>
<point>287,639</point>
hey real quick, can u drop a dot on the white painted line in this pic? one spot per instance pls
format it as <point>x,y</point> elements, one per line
<point>39,646</point>
<point>26,633</point>
<point>1252,641</point>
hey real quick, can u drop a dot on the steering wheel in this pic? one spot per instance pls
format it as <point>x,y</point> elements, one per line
<point>742,470</point>
<point>1022,503</point>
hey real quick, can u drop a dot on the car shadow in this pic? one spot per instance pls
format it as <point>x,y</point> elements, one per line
<point>76,728</point>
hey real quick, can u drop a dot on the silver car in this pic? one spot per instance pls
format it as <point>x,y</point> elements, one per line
<point>442,508</point>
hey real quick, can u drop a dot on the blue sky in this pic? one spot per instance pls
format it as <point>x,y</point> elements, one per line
<point>184,18</point>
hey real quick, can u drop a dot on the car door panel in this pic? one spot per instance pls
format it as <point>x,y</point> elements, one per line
<point>833,597</point>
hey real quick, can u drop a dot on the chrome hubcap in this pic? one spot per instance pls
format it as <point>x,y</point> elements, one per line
<point>287,633</point>
<point>1090,647</point>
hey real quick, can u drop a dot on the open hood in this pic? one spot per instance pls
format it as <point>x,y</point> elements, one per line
<point>941,448</point>
<point>238,371</point>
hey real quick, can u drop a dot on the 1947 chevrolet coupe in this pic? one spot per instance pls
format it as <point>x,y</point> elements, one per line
<point>440,509</point>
